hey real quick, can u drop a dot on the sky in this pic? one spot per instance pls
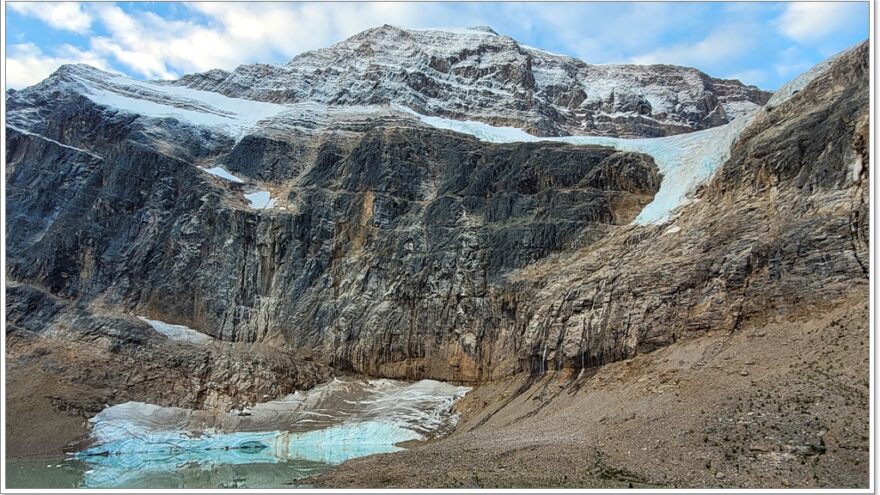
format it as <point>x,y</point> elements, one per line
<point>765,44</point>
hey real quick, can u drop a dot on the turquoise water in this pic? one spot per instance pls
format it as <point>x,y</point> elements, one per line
<point>74,473</point>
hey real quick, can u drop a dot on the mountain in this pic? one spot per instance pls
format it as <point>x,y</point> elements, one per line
<point>422,204</point>
<point>480,75</point>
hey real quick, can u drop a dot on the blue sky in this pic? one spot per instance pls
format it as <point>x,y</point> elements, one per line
<point>765,44</point>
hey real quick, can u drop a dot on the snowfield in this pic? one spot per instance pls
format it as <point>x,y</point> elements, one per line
<point>231,116</point>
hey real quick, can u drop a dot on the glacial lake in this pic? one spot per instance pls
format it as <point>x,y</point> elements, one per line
<point>271,445</point>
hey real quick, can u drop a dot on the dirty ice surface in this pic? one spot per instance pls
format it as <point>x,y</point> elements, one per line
<point>177,332</point>
<point>318,428</point>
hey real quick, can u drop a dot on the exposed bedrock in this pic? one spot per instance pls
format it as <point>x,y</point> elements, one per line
<point>779,232</point>
<point>395,247</point>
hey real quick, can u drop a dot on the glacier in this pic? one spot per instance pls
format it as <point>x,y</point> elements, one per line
<point>685,160</point>
<point>231,116</point>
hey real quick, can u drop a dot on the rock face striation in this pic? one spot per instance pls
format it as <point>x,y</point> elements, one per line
<point>385,246</point>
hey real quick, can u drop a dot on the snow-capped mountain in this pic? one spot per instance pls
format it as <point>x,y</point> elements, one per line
<point>480,75</point>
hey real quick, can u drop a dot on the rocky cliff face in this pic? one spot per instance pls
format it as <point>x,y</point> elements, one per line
<point>320,227</point>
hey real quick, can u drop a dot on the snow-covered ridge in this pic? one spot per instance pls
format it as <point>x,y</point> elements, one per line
<point>470,73</point>
<point>468,31</point>
<point>478,74</point>
<point>232,116</point>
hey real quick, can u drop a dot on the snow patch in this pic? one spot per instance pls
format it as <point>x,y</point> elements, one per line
<point>222,173</point>
<point>179,333</point>
<point>260,200</point>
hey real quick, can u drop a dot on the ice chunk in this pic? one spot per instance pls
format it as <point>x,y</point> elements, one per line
<point>177,332</point>
<point>124,462</point>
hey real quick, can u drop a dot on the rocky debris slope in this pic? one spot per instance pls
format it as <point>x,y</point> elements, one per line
<point>774,405</point>
<point>121,358</point>
<point>481,75</point>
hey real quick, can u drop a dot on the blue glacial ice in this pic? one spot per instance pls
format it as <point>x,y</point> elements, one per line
<point>328,425</point>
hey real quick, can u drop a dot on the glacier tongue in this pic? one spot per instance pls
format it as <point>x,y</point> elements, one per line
<point>329,424</point>
<point>684,160</point>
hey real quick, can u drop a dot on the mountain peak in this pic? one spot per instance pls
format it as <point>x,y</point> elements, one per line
<point>476,74</point>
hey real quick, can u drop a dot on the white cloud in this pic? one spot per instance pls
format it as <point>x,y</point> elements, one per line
<point>807,22</point>
<point>68,16</point>
<point>715,50</point>
<point>224,35</point>
<point>237,33</point>
<point>756,77</point>
<point>26,64</point>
